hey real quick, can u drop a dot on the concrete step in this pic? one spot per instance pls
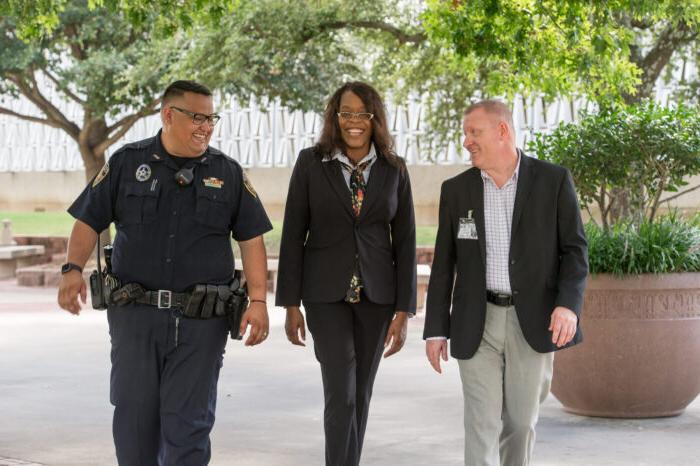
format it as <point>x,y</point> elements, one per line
<point>48,275</point>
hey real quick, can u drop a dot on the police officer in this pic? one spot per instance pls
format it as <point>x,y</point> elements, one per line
<point>174,201</point>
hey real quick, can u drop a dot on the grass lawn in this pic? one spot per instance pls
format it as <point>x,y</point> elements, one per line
<point>61,223</point>
<point>39,223</point>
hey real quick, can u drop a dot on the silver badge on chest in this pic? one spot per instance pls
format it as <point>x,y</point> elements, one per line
<point>143,173</point>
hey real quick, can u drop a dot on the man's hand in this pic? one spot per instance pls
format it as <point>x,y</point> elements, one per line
<point>294,326</point>
<point>434,349</point>
<point>72,285</point>
<point>562,326</point>
<point>396,335</point>
<point>256,317</point>
<point>80,245</point>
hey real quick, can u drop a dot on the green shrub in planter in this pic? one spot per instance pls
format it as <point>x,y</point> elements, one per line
<point>623,159</point>
<point>642,325</point>
<point>668,244</point>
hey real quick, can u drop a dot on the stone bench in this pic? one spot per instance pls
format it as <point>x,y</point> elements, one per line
<point>272,265</point>
<point>423,276</point>
<point>14,257</point>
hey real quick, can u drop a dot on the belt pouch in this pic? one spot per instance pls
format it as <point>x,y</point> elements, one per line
<point>192,308</point>
<point>209,301</point>
<point>222,303</point>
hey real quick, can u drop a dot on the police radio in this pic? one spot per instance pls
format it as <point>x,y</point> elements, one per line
<point>102,283</point>
<point>184,176</point>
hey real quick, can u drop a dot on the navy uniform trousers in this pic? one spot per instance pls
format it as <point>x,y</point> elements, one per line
<point>348,342</point>
<point>165,369</point>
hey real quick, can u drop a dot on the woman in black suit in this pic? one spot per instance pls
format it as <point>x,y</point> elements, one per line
<point>349,253</point>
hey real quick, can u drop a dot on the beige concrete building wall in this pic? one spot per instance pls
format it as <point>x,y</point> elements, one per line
<point>56,190</point>
<point>40,190</point>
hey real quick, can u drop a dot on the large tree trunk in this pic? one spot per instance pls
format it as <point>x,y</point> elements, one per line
<point>93,133</point>
<point>668,41</point>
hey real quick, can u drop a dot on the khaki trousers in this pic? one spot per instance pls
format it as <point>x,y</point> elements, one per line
<point>504,384</point>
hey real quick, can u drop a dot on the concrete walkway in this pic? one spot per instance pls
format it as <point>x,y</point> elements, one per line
<point>54,408</point>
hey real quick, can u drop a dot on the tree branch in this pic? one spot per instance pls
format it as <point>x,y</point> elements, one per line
<point>53,114</point>
<point>590,214</point>
<point>33,119</point>
<point>641,23</point>
<point>125,125</point>
<point>670,198</point>
<point>668,41</point>
<point>400,35</point>
<point>62,88</point>
<point>147,110</point>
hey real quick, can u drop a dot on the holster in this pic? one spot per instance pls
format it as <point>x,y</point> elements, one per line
<point>102,288</point>
<point>97,291</point>
<point>238,303</point>
<point>126,294</point>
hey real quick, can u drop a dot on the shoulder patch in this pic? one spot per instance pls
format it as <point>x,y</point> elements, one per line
<point>101,175</point>
<point>138,145</point>
<point>248,185</point>
<point>215,151</point>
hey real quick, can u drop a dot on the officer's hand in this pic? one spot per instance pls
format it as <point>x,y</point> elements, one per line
<point>72,284</point>
<point>396,335</point>
<point>434,349</point>
<point>294,326</point>
<point>256,317</point>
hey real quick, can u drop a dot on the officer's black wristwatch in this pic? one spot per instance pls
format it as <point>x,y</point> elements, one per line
<point>68,266</point>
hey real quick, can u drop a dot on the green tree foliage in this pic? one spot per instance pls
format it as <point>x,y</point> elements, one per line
<point>607,50</point>
<point>86,58</point>
<point>114,56</point>
<point>449,51</point>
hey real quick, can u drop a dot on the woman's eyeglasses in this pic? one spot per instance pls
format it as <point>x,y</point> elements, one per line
<point>355,116</point>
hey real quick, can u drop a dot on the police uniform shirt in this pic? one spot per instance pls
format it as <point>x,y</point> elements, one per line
<point>170,236</point>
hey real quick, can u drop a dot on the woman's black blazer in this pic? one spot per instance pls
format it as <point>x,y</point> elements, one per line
<point>321,235</point>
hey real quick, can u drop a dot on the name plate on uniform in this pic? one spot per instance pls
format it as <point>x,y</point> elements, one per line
<point>212,182</point>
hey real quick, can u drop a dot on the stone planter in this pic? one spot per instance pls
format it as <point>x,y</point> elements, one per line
<point>640,356</point>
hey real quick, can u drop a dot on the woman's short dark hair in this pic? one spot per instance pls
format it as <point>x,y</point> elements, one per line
<point>331,139</point>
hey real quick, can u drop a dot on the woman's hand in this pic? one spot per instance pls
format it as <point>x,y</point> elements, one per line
<point>294,326</point>
<point>396,336</point>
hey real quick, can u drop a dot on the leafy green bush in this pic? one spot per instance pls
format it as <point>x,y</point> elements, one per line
<point>668,244</point>
<point>623,159</point>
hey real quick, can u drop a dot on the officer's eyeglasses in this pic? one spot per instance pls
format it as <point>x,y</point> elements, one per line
<point>199,118</point>
<point>363,116</point>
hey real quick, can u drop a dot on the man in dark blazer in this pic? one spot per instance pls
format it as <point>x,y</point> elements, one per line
<point>506,284</point>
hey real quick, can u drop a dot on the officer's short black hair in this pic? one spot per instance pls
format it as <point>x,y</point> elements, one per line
<point>178,89</point>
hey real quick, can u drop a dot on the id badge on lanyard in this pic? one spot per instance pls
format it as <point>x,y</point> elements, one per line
<point>467,227</point>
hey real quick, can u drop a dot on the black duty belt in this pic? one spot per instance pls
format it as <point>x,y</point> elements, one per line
<point>202,302</point>
<point>164,299</point>
<point>499,299</point>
